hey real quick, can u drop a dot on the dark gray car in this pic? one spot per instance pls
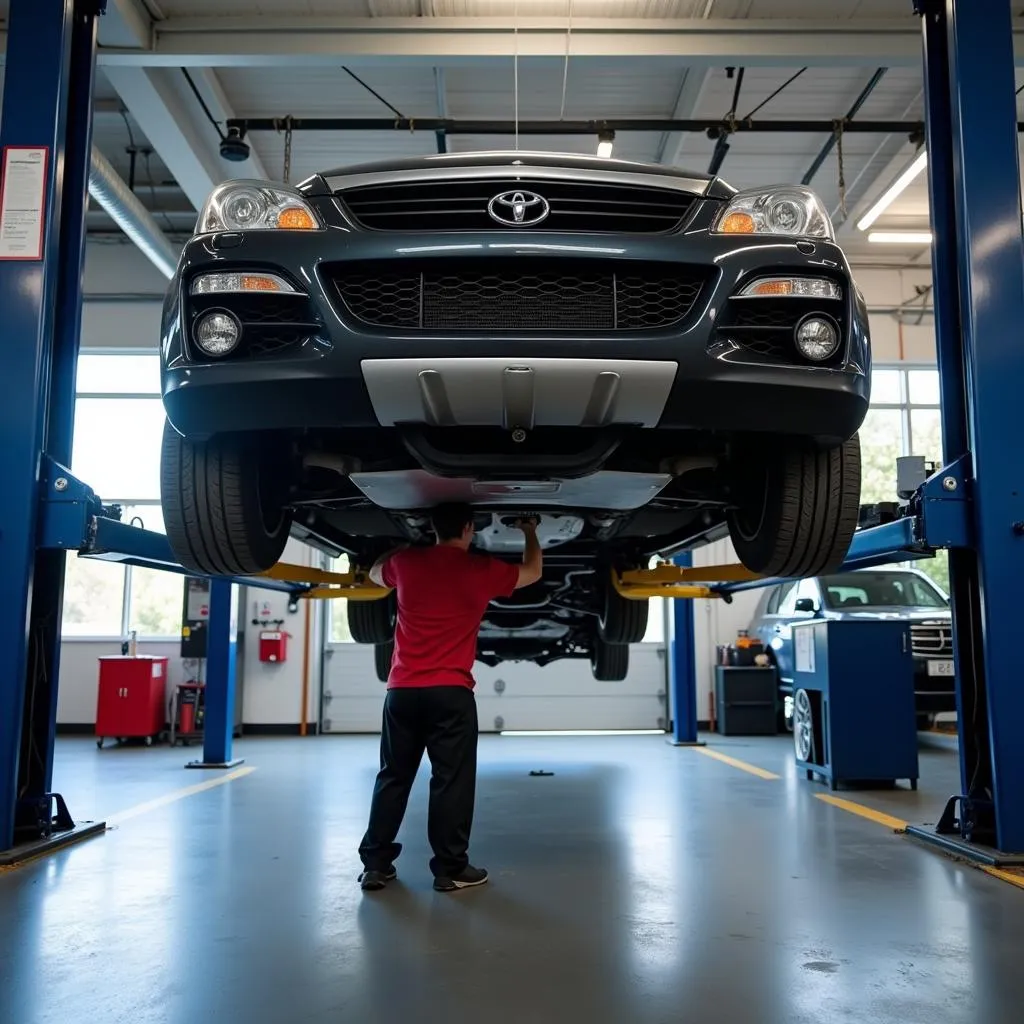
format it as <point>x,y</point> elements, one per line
<point>640,356</point>
<point>904,594</point>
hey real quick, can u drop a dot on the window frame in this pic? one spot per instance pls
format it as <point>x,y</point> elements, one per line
<point>132,502</point>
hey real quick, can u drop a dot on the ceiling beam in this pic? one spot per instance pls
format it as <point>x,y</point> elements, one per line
<point>690,89</point>
<point>171,118</point>
<point>695,42</point>
<point>126,24</point>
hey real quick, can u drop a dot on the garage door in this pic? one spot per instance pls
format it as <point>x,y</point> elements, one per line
<point>563,695</point>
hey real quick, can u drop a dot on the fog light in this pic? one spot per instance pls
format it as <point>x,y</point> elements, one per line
<point>217,334</point>
<point>817,338</point>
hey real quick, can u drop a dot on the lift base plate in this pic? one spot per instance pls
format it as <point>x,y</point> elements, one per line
<point>215,764</point>
<point>28,851</point>
<point>958,847</point>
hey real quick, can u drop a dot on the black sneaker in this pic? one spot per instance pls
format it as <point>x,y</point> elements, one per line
<point>371,881</point>
<point>466,880</point>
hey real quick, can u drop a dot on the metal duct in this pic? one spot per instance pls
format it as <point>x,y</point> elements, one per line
<point>112,193</point>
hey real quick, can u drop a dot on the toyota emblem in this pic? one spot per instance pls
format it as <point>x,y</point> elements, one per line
<point>518,209</point>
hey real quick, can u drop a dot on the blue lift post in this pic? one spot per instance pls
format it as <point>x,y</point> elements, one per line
<point>978,261</point>
<point>219,723</point>
<point>47,105</point>
<point>682,668</point>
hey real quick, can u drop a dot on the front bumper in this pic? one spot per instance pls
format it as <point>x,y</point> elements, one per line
<point>319,382</point>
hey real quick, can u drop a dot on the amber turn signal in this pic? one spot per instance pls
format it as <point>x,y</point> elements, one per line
<point>295,218</point>
<point>738,223</point>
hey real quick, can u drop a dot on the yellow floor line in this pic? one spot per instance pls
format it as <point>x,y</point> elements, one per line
<point>1015,876</point>
<point>176,795</point>
<point>896,824</point>
<point>752,769</point>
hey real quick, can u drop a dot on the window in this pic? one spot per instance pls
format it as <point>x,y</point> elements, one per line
<point>787,599</point>
<point>880,590</point>
<point>119,419</point>
<point>904,419</point>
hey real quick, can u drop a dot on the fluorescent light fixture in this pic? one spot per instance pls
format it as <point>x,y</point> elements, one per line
<point>894,191</point>
<point>900,237</point>
<point>605,142</point>
<point>582,732</point>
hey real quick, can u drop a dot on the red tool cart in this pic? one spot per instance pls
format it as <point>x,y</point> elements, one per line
<point>131,699</point>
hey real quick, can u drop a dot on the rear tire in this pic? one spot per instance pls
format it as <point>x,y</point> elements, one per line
<point>796,510</point>
<point>382,655</point>
<point>622,621</point>
<point>223,512</point>
<point>373,622</point>
<point>610,662</point>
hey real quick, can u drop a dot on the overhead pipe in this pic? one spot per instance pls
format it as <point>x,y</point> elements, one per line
<point>112,193</point>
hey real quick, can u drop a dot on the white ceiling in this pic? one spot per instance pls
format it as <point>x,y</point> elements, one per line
<point>588,88</point>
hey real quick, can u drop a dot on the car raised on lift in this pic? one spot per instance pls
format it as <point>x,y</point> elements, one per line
<point>643,357</point>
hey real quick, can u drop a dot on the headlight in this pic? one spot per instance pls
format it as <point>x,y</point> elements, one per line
<point>785,210</point>
<point>256,206</point>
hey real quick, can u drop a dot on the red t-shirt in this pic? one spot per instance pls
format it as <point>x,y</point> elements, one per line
<point>443,593</point>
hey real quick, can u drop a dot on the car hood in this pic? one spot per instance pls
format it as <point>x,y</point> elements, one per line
<point>512,158</point>
<point>901,614</point>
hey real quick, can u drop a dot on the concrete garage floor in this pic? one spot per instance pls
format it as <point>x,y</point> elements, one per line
<point>639,884</point>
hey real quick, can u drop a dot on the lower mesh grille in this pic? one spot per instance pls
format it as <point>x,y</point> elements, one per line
<point>766,327</point>
<point>271,323</point>
<point>522,295</point>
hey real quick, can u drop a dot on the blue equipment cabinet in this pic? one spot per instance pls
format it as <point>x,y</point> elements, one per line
<point>853,701</point>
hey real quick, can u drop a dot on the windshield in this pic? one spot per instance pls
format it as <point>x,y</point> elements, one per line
<point>880,590</point>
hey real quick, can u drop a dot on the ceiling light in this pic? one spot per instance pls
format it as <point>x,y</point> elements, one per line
<point>901,237</point>
<point>896,189</point>
<point>605,142</point>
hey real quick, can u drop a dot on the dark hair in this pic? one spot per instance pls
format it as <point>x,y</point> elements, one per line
<point>450,520</point>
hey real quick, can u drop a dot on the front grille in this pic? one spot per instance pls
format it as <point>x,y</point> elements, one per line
<point>521,295</point>
<point>575,206</point>
<point>932,639</point>
<point>766,327</point>
<point>272,323</point>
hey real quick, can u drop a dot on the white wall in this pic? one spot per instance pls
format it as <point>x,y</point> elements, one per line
<point>891,341</point>
<point>119,269</point>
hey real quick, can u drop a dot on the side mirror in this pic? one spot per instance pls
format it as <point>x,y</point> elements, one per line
<point>805,604</point>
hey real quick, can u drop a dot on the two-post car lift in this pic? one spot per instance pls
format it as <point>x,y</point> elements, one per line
<point>974,506</point>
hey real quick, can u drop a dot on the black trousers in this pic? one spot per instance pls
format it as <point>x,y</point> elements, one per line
<point>442,721</point>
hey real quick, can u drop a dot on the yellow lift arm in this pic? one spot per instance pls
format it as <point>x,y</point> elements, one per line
<point>355,585</point>
<point>668,580</point>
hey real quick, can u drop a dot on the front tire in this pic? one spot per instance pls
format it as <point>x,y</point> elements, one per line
<point>223,511</point>
<point>795,509</point>
<point>609,662</point>
<point>373,622</point>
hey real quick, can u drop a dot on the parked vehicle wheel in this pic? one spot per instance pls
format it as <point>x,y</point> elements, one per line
<point>223,511</point>
<point>382,655</point>
<point>622,621</point>
<point>795,510</point>
<point>803,726</point>
<point>373,622</point>
<point>610,662</point>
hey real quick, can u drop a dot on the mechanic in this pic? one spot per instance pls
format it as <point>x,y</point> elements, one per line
<point>443,592</point>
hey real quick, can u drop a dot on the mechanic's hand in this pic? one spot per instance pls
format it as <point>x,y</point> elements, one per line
<point>528,525</point>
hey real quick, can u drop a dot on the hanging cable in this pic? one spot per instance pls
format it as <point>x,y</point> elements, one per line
<point>842,168</point>
<point>515,66</point>
<point>373,92</point>
<point>202,103</point>
<point>728,128</point>
<point>287,150</point>
<point>785,85</point>
<point>565,68</point>
<point>146,153</point>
